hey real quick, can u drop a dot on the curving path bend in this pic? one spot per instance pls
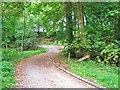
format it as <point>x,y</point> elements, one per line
<point>38,72</point>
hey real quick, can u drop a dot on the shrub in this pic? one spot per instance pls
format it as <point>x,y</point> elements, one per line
<point>99,51</point>
<point>110,53</point>
<point>8,54</point>
<point>8,79</point>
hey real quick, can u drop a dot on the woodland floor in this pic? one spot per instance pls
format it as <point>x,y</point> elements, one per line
<point>38,72</point>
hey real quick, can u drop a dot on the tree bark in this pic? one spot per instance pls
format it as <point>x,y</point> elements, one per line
<point>22,44</point>
<point>80,16</point>
<point>38,32</point>
<point>69,25</point>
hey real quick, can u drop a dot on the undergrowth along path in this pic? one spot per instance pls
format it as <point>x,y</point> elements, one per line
<point>38,72</point>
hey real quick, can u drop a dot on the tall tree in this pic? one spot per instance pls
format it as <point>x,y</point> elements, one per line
<point>80,15</point>
<point>69,25</point>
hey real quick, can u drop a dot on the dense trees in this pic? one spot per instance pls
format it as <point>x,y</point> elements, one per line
<point>87,28</point>
<point>97,36</point>
<point>103,22</point>
<point>84,28</point>
<point>17,26</point>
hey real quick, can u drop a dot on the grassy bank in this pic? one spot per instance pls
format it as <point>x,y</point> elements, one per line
<point>9,59</point>
<point>104,75</point>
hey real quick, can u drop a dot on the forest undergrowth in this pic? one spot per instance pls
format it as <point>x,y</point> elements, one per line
<point>10,57</point>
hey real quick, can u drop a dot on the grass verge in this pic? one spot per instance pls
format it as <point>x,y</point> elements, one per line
<point>104,75</point>
<point>9,59</point>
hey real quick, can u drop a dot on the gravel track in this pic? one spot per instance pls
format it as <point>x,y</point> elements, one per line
<point>38,72</point>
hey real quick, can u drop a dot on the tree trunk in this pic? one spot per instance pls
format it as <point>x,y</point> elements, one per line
<point>118,32</point>
<point>80,16</point>
<point>22,44</point>
<point>38,32</point>
<point>75,20</point>
<point>81,32</point>
<point>6,46</point>
<point>69,25</point>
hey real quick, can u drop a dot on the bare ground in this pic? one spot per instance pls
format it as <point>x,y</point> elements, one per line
<point>38,72</point>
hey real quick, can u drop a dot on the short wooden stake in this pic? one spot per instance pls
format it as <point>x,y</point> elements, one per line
<point>68,57</point>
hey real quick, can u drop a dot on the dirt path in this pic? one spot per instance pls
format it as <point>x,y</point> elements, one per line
<point>38,72</point>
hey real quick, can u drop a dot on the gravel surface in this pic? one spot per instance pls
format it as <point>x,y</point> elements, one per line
<point>38,72</point>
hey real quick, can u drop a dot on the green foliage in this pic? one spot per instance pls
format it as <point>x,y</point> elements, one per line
<point>102,74</point>
<point>40,16</point>
<point>13,56</point>
<point>101,34</point>
<point>78,47</point>
<point>9,59</point>
<point>7,75</point>
<point>7,55</point>
<point>111,53</point>
<point>17,26</point>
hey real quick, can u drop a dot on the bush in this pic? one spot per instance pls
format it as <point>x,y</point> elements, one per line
<point>78,48</point>
<point>111,54</point>
<point>8,54</point>
<point>99,51</point>
<point>8,71</point>
<point>10,58</point>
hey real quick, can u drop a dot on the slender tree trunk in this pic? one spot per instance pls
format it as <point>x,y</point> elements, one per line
<point>6,46</point>
<point>118,29</point>
<point>75,19</point>
<point>22,44</point>
<point>38,40</point>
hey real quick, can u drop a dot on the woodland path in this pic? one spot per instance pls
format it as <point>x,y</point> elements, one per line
<point>38,72</point>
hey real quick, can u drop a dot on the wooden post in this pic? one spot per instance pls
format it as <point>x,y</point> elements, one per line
<point>22,42</point>
<point>6,46</point>
<point>68,57</point>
